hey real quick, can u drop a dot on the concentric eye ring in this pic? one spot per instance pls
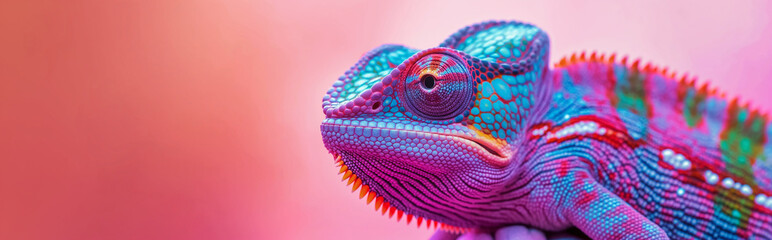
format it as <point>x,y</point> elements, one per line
<point>438,87</point>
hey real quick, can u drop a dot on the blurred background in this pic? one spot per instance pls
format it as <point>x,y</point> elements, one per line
<point>200,119</point>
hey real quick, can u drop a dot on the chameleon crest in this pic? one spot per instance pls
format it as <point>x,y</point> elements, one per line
<point>481,133</point>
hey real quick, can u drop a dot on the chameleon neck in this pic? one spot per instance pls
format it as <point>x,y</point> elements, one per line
<point>581,129</point>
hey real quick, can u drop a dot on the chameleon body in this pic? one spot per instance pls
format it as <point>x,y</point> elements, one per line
<point>481,133</point>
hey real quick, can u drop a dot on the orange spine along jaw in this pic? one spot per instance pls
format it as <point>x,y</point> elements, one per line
<point>382,205</point>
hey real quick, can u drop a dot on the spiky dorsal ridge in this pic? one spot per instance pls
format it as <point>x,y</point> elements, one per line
<point>684,79</point>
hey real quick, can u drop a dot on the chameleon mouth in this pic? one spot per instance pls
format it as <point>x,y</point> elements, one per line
<point>487,146</point>
<point>492,152</point>
<point>383,206</point>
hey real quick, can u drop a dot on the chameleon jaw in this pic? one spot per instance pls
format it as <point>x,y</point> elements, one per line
<point>383,206</point>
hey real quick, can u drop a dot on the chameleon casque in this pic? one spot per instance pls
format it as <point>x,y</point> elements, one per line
<point>481,133</point>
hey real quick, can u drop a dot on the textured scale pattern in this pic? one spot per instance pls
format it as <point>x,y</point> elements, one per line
<point>481,133</point>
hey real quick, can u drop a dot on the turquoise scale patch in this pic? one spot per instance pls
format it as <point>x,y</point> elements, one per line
<point>487,89</point>
<point>512,107</point>
<point>526,103</point>
<point>497,106</point>
<point>487,118</point>
<point>499,118</point>
<point>505,52</point>
<point>509,79</point>
<point>502,89</point>
<point>520,79</point>
<point>374,71</point>
<point>499,42</point>
<point>485,105</point>
<point>489,50</point>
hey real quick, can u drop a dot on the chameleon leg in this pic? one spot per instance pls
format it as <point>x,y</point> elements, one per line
<point>514,232</point>
<point>475,236</point>
<point>519,232</point>
<point>602,215</point>
<point>443,235</point>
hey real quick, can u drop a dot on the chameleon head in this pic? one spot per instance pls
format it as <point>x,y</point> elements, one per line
<point>434,133</point>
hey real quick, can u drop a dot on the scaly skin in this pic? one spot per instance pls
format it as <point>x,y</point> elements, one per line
<point>480,133</point>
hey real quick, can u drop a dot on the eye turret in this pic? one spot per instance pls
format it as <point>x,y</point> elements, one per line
<point>438,87</point>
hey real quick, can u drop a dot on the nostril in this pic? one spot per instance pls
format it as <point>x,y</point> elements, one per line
<point>376,105</point>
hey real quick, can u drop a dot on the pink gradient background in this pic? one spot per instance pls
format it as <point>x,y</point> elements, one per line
<point>199,120</point>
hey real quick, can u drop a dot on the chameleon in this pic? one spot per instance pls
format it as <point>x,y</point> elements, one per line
<point>482,132</point>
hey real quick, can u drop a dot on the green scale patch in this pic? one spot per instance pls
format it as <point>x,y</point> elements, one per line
<point>694,102</point>
<point>630,91</point>
<point>629,94</point>
<point>742,141</point>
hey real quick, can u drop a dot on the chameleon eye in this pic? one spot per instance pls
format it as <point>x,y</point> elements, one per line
<point>427,81</point>
<point>438,87</point>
